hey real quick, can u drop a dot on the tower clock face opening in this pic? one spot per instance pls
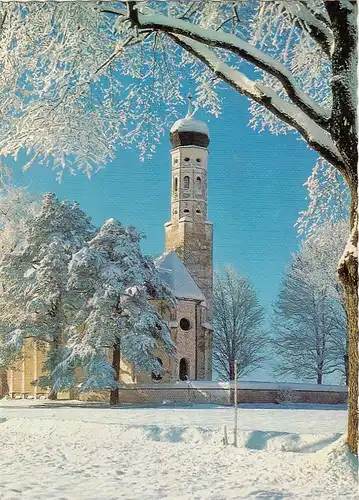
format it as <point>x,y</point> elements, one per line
<point>185,324</point>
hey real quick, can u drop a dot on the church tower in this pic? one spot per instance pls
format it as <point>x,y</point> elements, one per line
<point>189,232</point>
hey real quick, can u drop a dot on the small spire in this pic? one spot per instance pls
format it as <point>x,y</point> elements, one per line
<point>190,111</point>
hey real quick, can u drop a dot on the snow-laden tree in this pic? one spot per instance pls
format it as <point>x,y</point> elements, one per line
<point>309,324</point>
<point>237,325</point>
<point>79,78</point>
<point>17,209</point>
<point>116,317</point>
<point>34,301</point>
<point>328,199</point>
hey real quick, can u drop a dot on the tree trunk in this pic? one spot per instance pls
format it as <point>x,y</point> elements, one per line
<point>348,274</point>
<point>231,371</point>
<point>55,346</point>
<point>4,388</point>
<point>343,130</point>
<point>319,378</point>
<point>116,362</point>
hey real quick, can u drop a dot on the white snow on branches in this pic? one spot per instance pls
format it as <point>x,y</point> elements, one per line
<point>77,80</point>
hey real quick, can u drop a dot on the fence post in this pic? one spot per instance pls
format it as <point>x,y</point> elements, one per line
<point>235,404</point>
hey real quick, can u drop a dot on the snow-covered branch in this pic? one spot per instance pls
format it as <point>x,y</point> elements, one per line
<point>318,26</point>
<point>241,48</point>
<point>288,112</point>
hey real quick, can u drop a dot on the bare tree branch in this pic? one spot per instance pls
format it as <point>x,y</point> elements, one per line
<point>237,325</point>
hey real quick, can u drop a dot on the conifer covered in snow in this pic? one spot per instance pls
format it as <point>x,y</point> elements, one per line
<point>84,297</point>
<point>35,303</point>
<point>115,317</point>
<point>18,208</point>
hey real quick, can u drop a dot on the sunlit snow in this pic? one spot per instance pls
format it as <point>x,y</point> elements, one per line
<point>76,451</point>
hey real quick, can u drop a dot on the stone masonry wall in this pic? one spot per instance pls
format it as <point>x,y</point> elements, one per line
<point>225,397</point>
<point>193,244</point>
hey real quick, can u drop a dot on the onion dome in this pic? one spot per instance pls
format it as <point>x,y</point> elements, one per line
<point>188,131</point>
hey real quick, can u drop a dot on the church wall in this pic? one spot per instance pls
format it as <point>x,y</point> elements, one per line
<point>193,244</point>
<point>27,369</point>
<point>198,257</point>
<point>186,339</point>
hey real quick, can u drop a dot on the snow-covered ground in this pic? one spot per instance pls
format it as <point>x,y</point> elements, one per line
<point>57,451</point>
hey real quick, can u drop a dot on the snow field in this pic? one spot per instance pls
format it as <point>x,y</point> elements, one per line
<point>53,451</point>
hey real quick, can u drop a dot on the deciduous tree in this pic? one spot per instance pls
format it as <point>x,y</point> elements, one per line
<point>237,325</point>
<point>309,324</point>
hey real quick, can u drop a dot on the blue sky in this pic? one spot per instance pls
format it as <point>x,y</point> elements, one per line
<point>255,193</point>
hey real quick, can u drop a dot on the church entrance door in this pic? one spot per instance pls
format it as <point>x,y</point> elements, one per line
<point>183,369</point>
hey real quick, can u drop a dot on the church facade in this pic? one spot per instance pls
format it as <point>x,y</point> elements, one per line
<point>186,267</point>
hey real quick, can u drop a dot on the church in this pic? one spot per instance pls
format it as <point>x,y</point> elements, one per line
<point>186,267</point>
<point>187,264</point>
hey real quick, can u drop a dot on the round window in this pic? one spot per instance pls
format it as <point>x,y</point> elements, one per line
<point>198,160</point>
<point>185,324</point>
<point>186,158</point>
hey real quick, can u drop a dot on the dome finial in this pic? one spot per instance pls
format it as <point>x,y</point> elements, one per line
<point>189,131</point>
<point>190,111</point>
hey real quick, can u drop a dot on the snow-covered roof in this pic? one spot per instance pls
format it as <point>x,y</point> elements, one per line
<point>190,124</point>
<point>175,274</point>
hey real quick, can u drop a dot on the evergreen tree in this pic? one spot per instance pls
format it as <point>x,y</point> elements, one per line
<point>115,283</point>
<point>34,302</point>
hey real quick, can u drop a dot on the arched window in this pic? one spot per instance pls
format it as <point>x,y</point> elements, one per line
<point>186,182</point>
<point>183,369</point>
<point>156,376</point>
<point>199,185</point>
<point>176,184</point>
